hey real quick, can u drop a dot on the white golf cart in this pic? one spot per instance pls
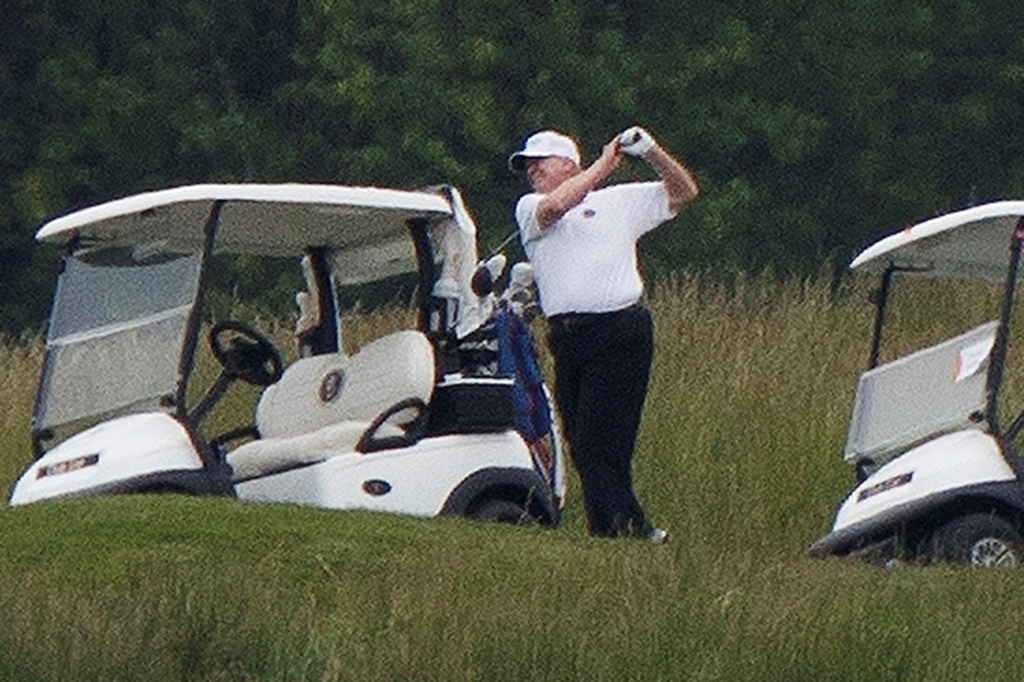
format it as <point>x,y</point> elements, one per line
<point>939,477</point>
<point>450,418</point>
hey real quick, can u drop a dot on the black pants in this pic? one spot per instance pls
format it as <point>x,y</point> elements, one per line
<point>602,366</point>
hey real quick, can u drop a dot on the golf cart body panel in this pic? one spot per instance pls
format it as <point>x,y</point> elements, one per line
<point>143,446</point>
<point>927,470</point>
<point>379,429</point>
<point>924,433</point>
<point>408,480</point>
<point>902,528</point>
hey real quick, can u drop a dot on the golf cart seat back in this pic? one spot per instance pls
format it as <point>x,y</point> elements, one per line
<point>324,390</point>
<point>933,391</point>
<point>328,405</point>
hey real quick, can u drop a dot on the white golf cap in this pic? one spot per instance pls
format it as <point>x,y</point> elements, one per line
<point>542,144</point>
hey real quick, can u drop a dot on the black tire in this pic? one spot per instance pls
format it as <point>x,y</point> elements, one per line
<point>501,511</point>
<point>977,540</point>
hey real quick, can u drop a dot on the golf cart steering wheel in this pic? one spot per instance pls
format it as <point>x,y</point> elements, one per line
<point>248,355</point>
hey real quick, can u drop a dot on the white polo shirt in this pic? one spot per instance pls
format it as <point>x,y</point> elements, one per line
<point>586,262</point>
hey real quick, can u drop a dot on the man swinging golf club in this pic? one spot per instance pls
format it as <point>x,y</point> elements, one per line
<point>581,242</point>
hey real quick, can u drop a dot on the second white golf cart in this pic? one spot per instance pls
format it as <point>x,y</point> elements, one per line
<point>939,476</point>
<point>451,417</point>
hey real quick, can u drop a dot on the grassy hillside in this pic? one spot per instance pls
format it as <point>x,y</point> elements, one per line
<point>739,455</point>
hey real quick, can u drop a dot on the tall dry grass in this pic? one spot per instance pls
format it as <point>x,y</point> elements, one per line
<point>20,361</point>
<point>747,410</point>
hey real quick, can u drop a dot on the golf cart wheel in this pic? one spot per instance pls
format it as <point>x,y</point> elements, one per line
<point>501,511</point>
<point>978,540</point>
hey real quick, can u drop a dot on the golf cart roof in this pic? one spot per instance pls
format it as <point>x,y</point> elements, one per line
<point>272,220</point>
<point>972,243</point>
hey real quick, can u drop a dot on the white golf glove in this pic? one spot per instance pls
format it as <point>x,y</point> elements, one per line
<point>496,265</point>
<point>635,141</point>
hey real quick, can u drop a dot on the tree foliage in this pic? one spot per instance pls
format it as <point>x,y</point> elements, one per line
<point>813,127</point>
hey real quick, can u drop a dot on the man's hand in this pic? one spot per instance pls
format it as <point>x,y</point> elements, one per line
<point>679,181</point>
<point>611,157</point>
<point>635,141</point>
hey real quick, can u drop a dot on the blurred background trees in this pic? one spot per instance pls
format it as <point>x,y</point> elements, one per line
<point>813,127</point>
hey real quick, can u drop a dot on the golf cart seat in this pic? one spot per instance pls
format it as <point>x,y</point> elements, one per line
<point>326,405</point>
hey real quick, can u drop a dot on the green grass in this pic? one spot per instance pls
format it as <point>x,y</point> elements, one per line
<point>739,456</point>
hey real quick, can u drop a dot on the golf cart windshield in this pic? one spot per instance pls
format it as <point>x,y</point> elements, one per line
<point>120,319</point>
<point>954,384</point>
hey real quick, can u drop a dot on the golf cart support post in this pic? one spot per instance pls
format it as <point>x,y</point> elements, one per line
<point>998,357</point>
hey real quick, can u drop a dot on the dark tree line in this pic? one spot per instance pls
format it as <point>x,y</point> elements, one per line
<point>813,127</point>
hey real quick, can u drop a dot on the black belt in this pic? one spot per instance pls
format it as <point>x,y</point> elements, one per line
<point>567,322</point>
